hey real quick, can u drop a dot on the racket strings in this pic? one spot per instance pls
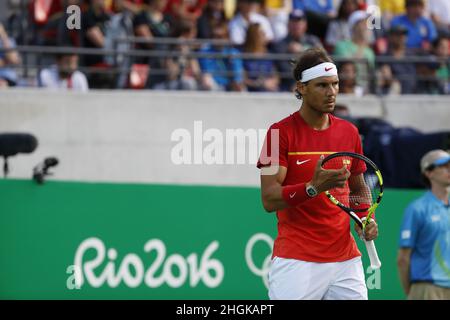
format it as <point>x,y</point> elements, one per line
<point>359,192</point>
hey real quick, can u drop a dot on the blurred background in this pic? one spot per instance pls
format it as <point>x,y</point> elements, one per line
<point>100,99</point>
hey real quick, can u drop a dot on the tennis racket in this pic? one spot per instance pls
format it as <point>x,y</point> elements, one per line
<point>361,193</point>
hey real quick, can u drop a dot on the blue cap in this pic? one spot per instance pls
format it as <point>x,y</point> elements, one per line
<point>442,161</point>
<point>434,158</point>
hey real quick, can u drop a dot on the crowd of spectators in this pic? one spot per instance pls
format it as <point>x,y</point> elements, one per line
<point>402,50</point>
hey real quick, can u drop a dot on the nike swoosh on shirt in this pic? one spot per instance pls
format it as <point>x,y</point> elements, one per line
<point>292,195</point>
<point>302,162</point>
<point>328,69</point>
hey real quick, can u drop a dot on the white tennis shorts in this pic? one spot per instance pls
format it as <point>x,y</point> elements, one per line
<point>291,279</point>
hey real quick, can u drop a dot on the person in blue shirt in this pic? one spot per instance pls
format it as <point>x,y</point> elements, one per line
<point>325,7</point>
<point>221,73</point>
<point>424,254</point>
<point>421,30</point>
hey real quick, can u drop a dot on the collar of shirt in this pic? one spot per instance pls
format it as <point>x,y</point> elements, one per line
<point>432,198</point>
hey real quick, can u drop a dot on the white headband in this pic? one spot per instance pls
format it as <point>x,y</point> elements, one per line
<point>326,69</point>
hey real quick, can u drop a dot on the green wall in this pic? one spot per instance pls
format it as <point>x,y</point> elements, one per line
<point>204,230</point>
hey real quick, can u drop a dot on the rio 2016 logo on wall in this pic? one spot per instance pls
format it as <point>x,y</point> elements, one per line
<point>192,269</point>
<point>97,266</point>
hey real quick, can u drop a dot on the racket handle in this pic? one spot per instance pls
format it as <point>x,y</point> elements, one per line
<point>375,262</point>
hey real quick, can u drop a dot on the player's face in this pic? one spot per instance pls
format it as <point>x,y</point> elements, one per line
<point>440,175</point>
<point>320,94</point>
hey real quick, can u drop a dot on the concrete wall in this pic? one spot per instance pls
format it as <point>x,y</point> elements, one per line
<point>125,136</point>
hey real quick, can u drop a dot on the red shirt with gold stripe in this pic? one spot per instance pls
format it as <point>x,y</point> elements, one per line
<point>316,230</point>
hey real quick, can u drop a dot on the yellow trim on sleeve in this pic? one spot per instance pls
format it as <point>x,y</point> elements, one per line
<point>309,153</point>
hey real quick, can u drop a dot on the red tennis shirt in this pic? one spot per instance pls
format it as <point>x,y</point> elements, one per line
<point>316,230</point>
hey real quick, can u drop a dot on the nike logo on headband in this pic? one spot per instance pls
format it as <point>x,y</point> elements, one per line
<point>325,69</point>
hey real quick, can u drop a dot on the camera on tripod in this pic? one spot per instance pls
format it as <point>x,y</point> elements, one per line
<point>41,170</point>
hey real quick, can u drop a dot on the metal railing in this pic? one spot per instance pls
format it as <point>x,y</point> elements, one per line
<point>38,57</point>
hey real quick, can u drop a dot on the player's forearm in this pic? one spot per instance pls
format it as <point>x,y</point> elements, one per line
<point>279,197</point>
<point>272,199</point>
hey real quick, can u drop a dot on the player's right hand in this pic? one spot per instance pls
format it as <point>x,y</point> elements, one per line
<point>326,179</point>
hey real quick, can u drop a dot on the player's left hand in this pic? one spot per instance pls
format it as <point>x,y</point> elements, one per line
<point>371,231</point>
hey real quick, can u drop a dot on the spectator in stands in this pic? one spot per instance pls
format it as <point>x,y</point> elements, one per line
<point>297,41</point>
<point>424,252</point>
<point>183,71</point>
<point>64,74</point>
<point>390,9</point>
<point>185,9</point>
<point>94,24</point>
<point>358,47</point>
<point>347,79</point>
<point>427,79</point>
<point>399,68</point>
<point>421,30</point>
<point>153,23</point>
<point>260,73</point>
<point>41,11</point>
<point>19,22</point>
<point>338,29</point>
<point>441,51</point>
<point>8,60</point>
<point>387,83</point>
<point>55,32</point>
<point>248,14</point>
<point>324,7</point>
<point>213,14</point>
<point>120,26</point>
<point>433,71</point>
<point>132,6</point>
<point>216,70</point>
<point>440,14</point>
<point>278,13</point>
<point>319,14</point>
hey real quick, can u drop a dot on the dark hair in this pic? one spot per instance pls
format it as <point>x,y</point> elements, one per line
<point>68,53</point>
<point>340,15</point>
<point>310,58</point>
<point>183,27</point>
<point>410,3</point>
<point>252,41</point>
<point>438,40</point>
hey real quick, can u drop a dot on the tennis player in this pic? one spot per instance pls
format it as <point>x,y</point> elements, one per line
<point>314,254</point>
